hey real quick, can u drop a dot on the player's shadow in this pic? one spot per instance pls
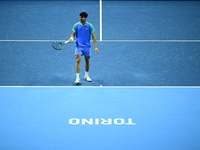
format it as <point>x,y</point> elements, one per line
<point>74,84</point>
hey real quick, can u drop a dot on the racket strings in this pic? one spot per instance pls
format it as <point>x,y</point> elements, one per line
<point>57,45</point>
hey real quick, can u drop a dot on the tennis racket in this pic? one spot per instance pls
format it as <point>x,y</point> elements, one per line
<point>59,45</point>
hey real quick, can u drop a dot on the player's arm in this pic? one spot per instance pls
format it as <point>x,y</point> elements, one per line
<point>72,37</point>
<point>95,42</point>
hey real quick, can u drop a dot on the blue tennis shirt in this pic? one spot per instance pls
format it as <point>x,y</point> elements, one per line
<point>83,34</point>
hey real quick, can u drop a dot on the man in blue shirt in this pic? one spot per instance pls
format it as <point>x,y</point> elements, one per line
<point>83,31</point>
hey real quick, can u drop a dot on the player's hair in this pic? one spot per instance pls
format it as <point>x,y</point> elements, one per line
<point>84,14</point>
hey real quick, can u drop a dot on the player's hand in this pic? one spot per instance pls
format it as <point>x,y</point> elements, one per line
<point>96,50</point>
<point>70,40</point>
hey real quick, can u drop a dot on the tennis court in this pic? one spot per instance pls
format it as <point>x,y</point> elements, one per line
<point>147,66</point>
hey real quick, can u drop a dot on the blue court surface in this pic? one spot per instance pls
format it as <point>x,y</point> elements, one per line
<point>145,89</point>
<point>173,59</point>
<point>101,118</point>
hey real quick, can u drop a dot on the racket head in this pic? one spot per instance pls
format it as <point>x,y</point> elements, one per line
<point>58,45</point>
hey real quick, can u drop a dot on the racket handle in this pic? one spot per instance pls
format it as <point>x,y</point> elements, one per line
<point>66,41</point>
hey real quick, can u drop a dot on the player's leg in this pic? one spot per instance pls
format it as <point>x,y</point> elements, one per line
<point>87,63</point>
<point>87,67</point>
<point>78,61</point>
<point>77,66</point>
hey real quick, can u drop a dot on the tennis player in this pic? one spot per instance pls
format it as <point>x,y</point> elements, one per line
<point>83,31</point>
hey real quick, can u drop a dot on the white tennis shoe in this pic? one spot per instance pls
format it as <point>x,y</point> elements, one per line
<point>87,78</point>
<point>78,80</point>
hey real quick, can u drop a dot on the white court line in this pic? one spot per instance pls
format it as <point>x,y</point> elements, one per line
<point>101,87</point>
<point>100,13</point>
<point>175,41</point>
<point>151,40</point>
<point>30,40</point>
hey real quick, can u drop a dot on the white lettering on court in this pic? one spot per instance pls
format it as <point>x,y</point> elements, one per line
<point>97,121</point>
<point>90,121</point>
<point>106,122</point>
<point>74,121</point>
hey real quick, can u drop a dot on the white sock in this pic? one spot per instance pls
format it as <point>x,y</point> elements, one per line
<point>86,73</point>
<point>77,75</point>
